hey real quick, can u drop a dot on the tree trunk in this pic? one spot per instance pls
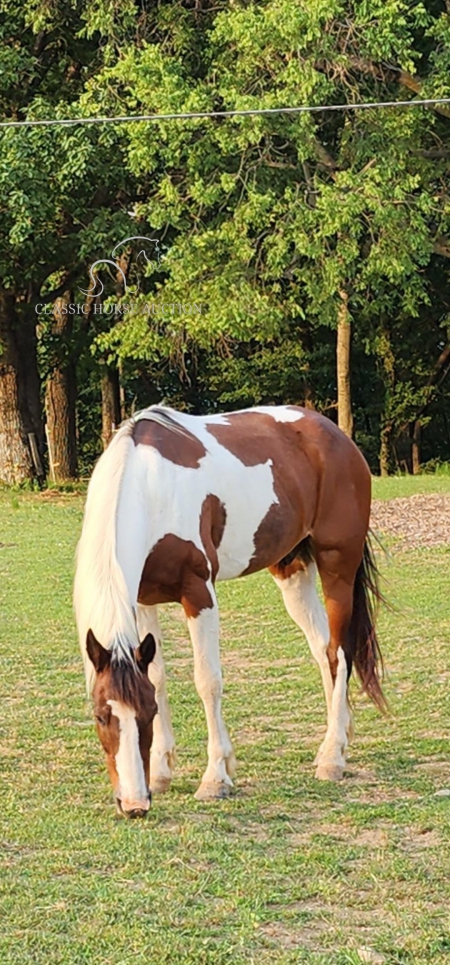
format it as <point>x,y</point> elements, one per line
<point>385,450</point>
<point>60,395</point>
<point>30,382</point>
<point>110,403</point>
<point>16,463</point>
<point>122,409</point>
<point>415,447</point>
<point>122,263</point>
<point>344,398</point>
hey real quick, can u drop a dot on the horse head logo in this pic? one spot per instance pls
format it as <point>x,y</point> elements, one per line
<point>152,245</point>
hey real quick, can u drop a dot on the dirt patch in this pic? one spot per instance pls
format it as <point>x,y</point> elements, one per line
<point>414,521</point>
<point>371,838</point>
<point>420,840</point>
<point>290,938</point>
<point>321,921</point>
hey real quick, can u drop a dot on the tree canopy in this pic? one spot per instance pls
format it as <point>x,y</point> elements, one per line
<point>276,229</point>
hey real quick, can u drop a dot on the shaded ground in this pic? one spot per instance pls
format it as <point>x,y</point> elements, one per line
<point>414,521</point>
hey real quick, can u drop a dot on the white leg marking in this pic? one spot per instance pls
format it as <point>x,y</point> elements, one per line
<point>302,602</point>
<point>132,790</point>
<point>162,756</point>
<point>204,631</point>
<point>331,762</point>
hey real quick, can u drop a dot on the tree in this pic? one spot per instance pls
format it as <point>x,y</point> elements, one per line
<point>284,234</point>
<point>60,394</point>
<point>61,204</point>
<point>271,219</point>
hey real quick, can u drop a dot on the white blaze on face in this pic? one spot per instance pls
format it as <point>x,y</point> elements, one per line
<point>132,789</point>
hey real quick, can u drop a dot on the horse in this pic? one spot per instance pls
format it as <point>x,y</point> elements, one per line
<point>178,502</point>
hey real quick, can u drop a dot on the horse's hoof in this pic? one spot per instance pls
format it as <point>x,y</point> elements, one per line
<point>160,785</point>
<point>329,772</point>
<point>213,792</point>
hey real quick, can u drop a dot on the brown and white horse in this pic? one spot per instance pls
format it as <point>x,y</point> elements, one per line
<point>178,502</point>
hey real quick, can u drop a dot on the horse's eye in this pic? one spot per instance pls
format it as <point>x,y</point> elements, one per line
<point>101,720</point>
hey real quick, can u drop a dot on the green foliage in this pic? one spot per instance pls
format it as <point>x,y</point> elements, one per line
<point>266,219</point>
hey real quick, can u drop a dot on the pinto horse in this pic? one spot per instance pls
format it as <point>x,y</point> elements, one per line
<point>178,502</point>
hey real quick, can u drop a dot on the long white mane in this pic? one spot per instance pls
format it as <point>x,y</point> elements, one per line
<point>101,598</point>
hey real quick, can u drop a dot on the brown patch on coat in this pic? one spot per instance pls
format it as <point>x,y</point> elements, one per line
<point>213,517</point>
<point>321,481</point>
<point>176,571</point>
<point>178,446</point>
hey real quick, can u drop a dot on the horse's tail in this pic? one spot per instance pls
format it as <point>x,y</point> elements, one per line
<point>363,647</point>
<point>101,597</point>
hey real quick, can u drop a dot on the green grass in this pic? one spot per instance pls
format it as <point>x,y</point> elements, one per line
<point>390,487</point>
<point>289,870</point>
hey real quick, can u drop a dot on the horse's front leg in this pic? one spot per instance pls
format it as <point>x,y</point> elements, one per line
<point>162,755</point>
<point>204,630</point>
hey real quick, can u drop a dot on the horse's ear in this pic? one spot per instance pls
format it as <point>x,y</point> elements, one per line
<point>100,657</point>
<point>145,652</point>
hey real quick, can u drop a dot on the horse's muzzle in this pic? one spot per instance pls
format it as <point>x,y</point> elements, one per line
<point>134,812</point>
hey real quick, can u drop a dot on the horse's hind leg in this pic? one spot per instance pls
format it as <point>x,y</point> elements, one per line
<point>162,755</point>
<point>297,582</point>
<point>337,569</point>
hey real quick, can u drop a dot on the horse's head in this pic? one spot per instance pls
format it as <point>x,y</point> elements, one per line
<point>124,707</point>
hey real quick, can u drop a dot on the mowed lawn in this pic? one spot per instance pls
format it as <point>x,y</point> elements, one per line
<point>289,870</point>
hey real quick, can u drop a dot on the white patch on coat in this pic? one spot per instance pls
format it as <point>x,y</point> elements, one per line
<point>281,413</point>
<point>132,790</point>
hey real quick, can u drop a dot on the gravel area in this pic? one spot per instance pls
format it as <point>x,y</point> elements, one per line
<point>415,521</point>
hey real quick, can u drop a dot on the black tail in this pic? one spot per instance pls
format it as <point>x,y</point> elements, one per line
<point>363,647</point>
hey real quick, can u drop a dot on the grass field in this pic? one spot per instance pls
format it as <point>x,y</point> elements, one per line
<point>289,870</point>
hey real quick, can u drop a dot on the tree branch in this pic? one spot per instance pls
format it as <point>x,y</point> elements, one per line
<point>442,246</point>
<point>396,74</point>
<point>66,283</point>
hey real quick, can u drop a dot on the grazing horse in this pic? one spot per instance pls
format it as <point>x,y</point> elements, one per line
<point>178,502</point>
